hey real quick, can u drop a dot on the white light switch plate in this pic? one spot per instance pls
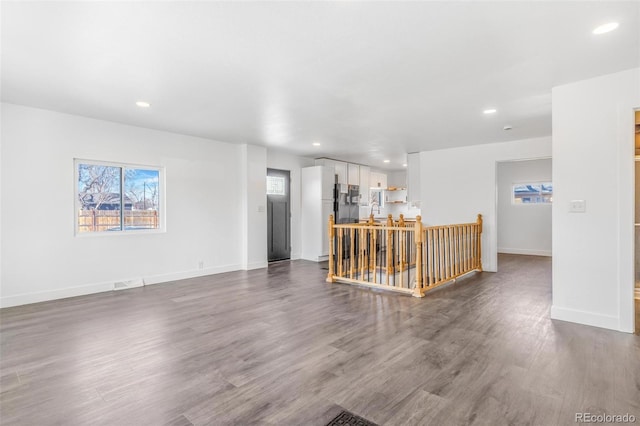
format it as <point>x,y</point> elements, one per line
<point>260,209</point>
<point>577,206</point>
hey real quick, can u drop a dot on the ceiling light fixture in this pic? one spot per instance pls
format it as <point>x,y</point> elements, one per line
<point>404,165</point>
<point>387,161</point>
<point>316,144</point>
<point>605,28</point>
<point>143,104</point>
<point>490,111</point>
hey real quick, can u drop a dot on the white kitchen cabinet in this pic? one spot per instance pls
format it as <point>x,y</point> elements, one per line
<point>378,180</point>
<point>365,177</point>
<point>316,205</point>
<point>353,174</point>
<point>342,172</point>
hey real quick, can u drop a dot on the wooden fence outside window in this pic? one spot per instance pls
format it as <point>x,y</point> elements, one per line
<point>109,220</point>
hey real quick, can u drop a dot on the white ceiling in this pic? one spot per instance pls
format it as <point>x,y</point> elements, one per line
<point>368,81</point>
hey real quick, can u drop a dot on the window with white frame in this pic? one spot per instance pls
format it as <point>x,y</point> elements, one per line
<point>532,193</point>
<point>112,197</point>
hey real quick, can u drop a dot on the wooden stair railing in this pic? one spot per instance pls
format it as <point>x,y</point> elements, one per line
<point>402,256</point>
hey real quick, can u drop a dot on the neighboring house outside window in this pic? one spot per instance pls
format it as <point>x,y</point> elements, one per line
<point>117,197</point>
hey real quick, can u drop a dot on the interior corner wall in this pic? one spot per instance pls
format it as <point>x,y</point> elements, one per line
<point>284,161</point>
<point>253,167</point>
<point>457,184</point>
<point>593,160</point>
<point>523,228</point>
<point>42,259</point>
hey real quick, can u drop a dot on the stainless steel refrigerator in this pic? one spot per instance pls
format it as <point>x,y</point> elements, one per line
<point>346,203</point>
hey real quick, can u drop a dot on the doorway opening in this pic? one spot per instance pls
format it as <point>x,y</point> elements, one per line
<point>278,215</point>
<point>524,197</point>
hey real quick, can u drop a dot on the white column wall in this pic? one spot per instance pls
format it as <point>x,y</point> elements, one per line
<point>593,160</point>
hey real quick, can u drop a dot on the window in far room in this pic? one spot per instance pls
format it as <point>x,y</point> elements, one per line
<point>117,197</point>
<point>275,185</point>
<point>532,193</point>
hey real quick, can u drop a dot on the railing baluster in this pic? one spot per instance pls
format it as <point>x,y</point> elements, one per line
<point>352,242</point>
<point>418,238</point>
<point>340,251</point>
<point>430,256</point>
<point>454,265</point>
<point>388,248</point>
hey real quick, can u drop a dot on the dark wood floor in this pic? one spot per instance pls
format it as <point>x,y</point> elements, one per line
<point>282,347</point>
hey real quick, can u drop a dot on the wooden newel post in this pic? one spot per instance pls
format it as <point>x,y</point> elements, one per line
<point>418,238</point>
<point>479,221</point>
<point>332,235</point>
<point>401,220</point>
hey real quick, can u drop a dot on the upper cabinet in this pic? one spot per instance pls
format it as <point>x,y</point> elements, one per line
<point>346,173</point>
<point>378,180</point>
<point>365,178</point>
<point>341,171</point>
<point>340,168</point>
<point>353,174</point>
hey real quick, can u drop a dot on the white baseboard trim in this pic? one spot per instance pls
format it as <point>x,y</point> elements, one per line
<point>83,290</point>
<point>62,293</point>
<point>256,265</point>
<point>527,252</point>
<point>175,276</point>
<point>586,318</point>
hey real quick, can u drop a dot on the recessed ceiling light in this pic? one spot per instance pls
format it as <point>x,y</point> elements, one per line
<point>316,144</point>
<point>507,127</point>
<point>605,28</point>
<point>143,104</point>
<point>490,111</point>
<point>404,165</point>
<point>387,161</point>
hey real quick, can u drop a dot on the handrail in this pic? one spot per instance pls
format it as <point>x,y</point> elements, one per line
<point>402,256</point>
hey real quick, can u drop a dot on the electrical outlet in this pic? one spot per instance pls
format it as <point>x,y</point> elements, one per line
<point>200,264</point>
<point>577,206</point>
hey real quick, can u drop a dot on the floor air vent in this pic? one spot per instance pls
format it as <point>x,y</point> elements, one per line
<point>123,285</point>
<point>346,418</point>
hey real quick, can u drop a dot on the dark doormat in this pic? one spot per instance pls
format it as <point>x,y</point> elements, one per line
<point>346,418</point>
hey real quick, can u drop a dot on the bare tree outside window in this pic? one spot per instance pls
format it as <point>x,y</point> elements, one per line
<point>117,198</point>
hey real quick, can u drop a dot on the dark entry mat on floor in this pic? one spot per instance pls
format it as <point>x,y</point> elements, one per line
<point>346,418</point>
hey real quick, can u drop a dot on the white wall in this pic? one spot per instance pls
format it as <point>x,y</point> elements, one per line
<point>397,179</point>
<point>41,257</point>
<point>456,184</point>
<point>253,190</point>
<point>283,161</point>
<point>523,228</point>
<point>593,161</point>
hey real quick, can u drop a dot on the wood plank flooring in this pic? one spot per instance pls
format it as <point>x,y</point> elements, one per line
<point>280,346</point>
